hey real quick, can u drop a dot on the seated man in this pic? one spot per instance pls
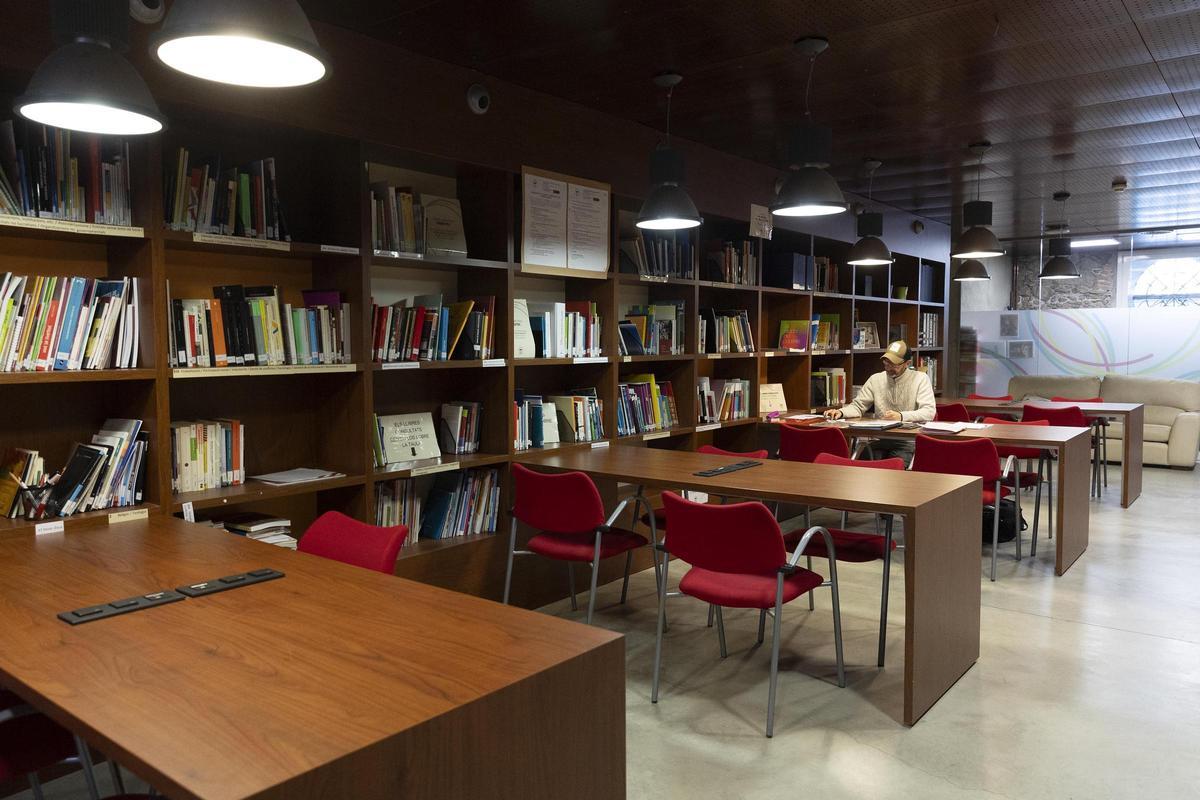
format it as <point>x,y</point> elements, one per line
<point>898,393</point>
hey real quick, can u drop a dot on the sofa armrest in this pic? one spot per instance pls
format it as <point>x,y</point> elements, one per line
<point>1184,440</point>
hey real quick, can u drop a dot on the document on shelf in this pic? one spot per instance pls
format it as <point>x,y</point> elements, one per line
<point>298,475</point>
<point>544,234</point>
<point>587,227</point>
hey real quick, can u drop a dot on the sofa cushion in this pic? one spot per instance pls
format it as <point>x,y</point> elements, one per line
<point>1150,432</point>
<point>1151,391</point>
<point>1047,386</point>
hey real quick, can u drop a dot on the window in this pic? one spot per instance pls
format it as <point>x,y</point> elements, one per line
<point>1164,280</point>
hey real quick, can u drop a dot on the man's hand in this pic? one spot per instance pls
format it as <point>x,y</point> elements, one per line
<point>892,415</point>
<point>833,413</point>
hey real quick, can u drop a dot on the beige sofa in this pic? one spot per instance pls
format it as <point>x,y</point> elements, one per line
<point>1171,432</point>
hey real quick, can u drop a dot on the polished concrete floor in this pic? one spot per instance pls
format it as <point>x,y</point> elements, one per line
<point>1087,686</point>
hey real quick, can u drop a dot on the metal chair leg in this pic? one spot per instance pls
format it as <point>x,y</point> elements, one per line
<point>35,786</point>
<point>1037,507</point>
<point>512,546</point>
<point>595,576</point>
<point>1051,512</point>
<point>89,770</point>
<point>775,636</point>
<point>887,581</point>
<point>812,603</point>
<point>625,583</point>
<point>837,622</point>
<point>721,631</point>
<point>658,636</point>
<point>1104,444</point>
<point>1017,518</point>
<point>114,770</point>
<point>571,585</point>
<point>995,528</point>
<point>762,625</point>
<point>711,615</point>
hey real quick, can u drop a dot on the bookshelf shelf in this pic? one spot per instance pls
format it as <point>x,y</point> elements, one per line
<point>426,546</point>
<point>433,466</point>
<point>653,358</point>
<point>87,518</point>
<point>42,227</point>
<point>906,302</point>
<point>78,376</point>
<point>653,280</point>
<point>729,287</point>
<point>650,436</point>
<point>252,491</point>
<point>726,356</point>
<point>475,363</point>
<point>534,453</point>
<point>833,295</point>
<point>870,350</point>
<point>380,258</point>
<point>560,362</point>
<point>562,272</point>
<point>247,372</point>
<point>778,352</point>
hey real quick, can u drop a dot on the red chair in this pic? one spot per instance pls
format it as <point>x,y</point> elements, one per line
<point>854,547</point>
<point>660,514</point>
<point>1026,478</point>
<point>805,442</point>
<point>335,536</point>
<point>738,560</point>
<point>1100,424</point>
<point>567,510</point>
<point>952,412</point>
<point>1069,417</point>
<point>1004,397</point>
<point>30,742</point>
<point>975,457</point>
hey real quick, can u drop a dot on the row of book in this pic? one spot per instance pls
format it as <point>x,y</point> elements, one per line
<point>826,332</point>
<point>250,326</point>
<point>464,503</point>
<point>929,330</point>
<point>660,255</point>
<point>725,331</point>
<point>206,196</point>
<point>58,322</point>
<point>644,405</point>
<point>929,365</point>
<point>827,387</point>
<point>109,471</point>
<point>825,275</point>
<point>721,399</point>
<point>570,329</point>
<point>732,262</point>
<point>58,174</point>
<point>207,454</point>
<point>405,221</point>
<point>655,329</point>
<point>432,330</point>
<point>541,420</point>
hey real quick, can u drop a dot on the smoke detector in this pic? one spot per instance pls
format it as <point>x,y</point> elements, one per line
<point>1119,184</point>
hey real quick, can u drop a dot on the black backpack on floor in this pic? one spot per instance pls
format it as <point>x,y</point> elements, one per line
<point>1008,512</point>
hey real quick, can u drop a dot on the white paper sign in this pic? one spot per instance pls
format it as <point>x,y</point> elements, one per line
<point>760,222</point>
<point>587,228</point>
<point>544,234</point>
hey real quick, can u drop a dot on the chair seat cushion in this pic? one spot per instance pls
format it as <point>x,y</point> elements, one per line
<point>847,545</point>
<point>745,591</point>
<point>9,699</point>
<point>582,546</point>
<point>31,743</point>
<point>989,495</point>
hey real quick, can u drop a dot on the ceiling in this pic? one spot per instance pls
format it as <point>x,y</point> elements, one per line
<point>1071,93</point>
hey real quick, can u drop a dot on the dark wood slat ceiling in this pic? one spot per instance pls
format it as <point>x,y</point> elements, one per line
<point>1071,93</point>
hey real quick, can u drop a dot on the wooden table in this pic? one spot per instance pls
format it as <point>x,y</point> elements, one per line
<point>333,681</point>
<point>1132,416</point>
<point>941,539</point>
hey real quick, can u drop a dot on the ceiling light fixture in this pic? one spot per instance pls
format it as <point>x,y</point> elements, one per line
<point>1106,241</point>
<point>971,270</point>
<point>808,190</point>
<point>260,43</point>
<point>870,250</point>
<point>668,206</point>
<point>86,84</point>
<point>1060,266</point>
<point>977,241</point>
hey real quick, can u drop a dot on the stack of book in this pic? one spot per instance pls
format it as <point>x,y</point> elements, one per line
<point>570,329</point>
<point>929,331</point>
<point>406,221</point>
<point>645,404</point>
<point>203,195</point>
<point>107,472</point>
<point>929,365</point>
<point>652,330</point>
<point>722,399</point>
<point>794,334</point>
<point>827,332</point>
<point>459,429</point>
<point>430,330</point>
<point>789,271</point>
<point>532,426</point>
<point>828,387</point>
<point>398,502</point>
<point>63,175</point>
<point>250,326</point>
<point>260,527</point>
<point>462,503</point>
<point>826,274</point>
<point>733,262</point>
<point>541,420</point>
<point>659,255</point>
<point>52,323</point>
<point>725,331</point>
<point>207,454</point>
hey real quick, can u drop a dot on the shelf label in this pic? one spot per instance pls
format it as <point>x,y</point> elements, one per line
<point>189,512</point>
<point>768,353</point>
<point>818,352</point>
<point>714,355</point>
<point>242,241</point>
<point>339,249</point>
<point>43,528</point>
<point>648,437</point>
<point>796,350</point>
<point>598,445</point>
<point>128,516</point>
<point>432,468</point>
<point>69,226</point>
<point>712,426</point>
<point>278,369</point>
<point>590,360</point>
<point>401,365</point>
<point>493,362</point>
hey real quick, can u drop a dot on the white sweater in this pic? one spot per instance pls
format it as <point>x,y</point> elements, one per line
<point>911,394</point>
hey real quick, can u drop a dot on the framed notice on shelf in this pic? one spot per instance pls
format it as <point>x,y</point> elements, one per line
<point>565,223</point>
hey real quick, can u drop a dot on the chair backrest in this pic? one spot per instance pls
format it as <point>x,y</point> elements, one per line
<point>1069,417</point>
<point>838,461</point>
<point>335,536</point>
<point>561,502</point>
<point>973,396</point>
<point>1010,450</point>
<point>804,442</point>
<point>999,421</point>
<point>738,538</point>
<point>976,457</point>
<point>952,412</point>
<point>1077,399</point>
<point>708,449</point>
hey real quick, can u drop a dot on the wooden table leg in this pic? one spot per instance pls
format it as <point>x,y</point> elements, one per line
<point>1073,492</point>
<point>1131,456</point>
<point>942,596</point>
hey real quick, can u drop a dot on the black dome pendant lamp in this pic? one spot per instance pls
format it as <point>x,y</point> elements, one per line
<point>1060,266</point>
<point>977,241</point>
<point>870,250</point>
<point>667,207</point>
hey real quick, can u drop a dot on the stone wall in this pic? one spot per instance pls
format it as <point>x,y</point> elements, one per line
<point>1096,288</point>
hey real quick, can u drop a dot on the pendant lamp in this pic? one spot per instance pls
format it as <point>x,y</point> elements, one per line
<point>1060,266</point>
<point>977,241</point>
<point>667,207</point>
<point>86,84</point>
<point>808,190</point>
<point>869,250</point>
<point>972,270</point>
<point>261,43</point>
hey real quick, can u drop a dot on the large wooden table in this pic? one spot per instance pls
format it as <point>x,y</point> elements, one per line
<point>330,682</point>
<point>1132,416</point>
<point>941,539</point>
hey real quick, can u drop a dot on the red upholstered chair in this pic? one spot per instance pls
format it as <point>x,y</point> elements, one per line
<point>1069,417</point>
<point>1004,397</point>
<point>567,510</point>
<point>335,536</point>
<point>738,560</point>
<point>975,457</point>
<point>30,742</point>
<point>660,514</point>
<point>952,412</point>
<point>805,442</point>
<point>1100,426</point>
<point>855,547</point>
<point>1027,478</point>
